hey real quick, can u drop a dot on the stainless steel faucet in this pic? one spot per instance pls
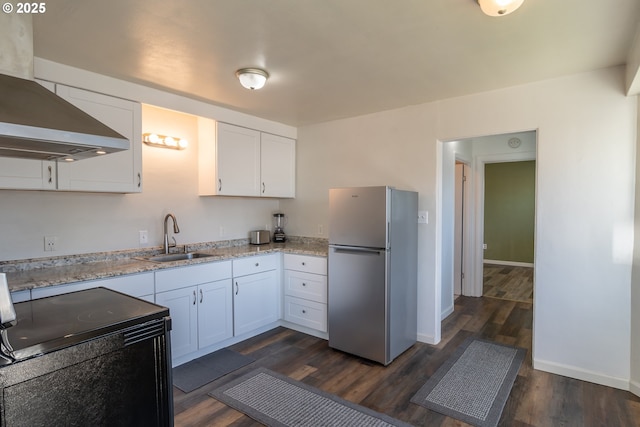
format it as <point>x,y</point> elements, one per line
<point>176,230</point>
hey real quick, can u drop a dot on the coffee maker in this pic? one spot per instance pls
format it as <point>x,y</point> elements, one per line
<point>278,228</point>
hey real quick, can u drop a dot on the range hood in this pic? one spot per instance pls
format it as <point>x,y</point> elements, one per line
<point>35,123</point>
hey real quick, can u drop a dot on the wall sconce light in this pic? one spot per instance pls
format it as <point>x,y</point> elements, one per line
<point>252,78</point>
<point>155,140</point>
<point>499,7</point>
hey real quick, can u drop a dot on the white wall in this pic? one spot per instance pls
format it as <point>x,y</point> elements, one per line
<point>93,222</point>
<point>586,172</point>
<point>389,148</point>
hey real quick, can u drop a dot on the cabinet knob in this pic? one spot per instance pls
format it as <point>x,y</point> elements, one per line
<point>304,284</point>
<point>304,311</point>
<point>304,263</point>
<point>257,264</point>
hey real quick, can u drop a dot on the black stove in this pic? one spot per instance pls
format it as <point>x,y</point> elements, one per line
<point>49,324</point>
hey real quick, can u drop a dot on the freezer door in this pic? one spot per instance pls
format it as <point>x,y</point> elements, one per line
<point>358,216</point>
<point>357,308</point>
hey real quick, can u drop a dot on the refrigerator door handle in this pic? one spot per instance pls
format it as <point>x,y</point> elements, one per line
<point>356,249</point>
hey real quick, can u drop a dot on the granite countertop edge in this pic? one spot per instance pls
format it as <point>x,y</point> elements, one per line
<point>31,274</point>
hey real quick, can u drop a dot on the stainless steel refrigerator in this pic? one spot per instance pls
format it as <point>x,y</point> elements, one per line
<point>373,246</point>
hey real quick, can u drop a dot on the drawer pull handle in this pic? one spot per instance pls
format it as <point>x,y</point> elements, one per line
<point>201,296</point>
<point>236,288</point>
<point>194,297</point>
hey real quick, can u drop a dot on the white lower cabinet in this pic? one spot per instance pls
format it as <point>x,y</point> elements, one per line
<point>137,285</point>
<point>256,292</point>
<point>305,291</point>
<point>200,305</point>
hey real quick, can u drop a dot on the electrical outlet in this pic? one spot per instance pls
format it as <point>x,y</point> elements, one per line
<point>484,246</point>
<point>143,237</point>
<point>423,217</point>
<point>50,243</point>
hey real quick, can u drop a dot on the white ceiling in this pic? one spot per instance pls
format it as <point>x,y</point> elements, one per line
<point>332,59</point>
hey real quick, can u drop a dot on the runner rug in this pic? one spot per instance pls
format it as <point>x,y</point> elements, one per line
<point>474,383</point>
<point>277,400</point>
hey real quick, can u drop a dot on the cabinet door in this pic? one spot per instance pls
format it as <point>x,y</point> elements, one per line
<point>256,301</point>
<point>277,166</point>
<point>215,312</point>
<point>184,319</point>
<point>238,161</point>
<point>118,172</point>
<point>26,174</point>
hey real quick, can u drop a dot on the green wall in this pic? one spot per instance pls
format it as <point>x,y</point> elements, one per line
<point>509,210</point>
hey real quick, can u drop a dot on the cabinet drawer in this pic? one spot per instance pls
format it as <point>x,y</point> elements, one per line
<point>305,285</point>
<point>254,264</point>
<point>192,275</point>
<point>306,313</point>
<point>309,264</point>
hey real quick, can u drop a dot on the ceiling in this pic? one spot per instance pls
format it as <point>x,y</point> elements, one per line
<point>331,59</point>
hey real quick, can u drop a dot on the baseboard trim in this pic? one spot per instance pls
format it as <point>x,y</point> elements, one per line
<point>427,339</point>
<point>446,312</point>
<point>634,387</point>
<point>582,374</point>
<point>510,263</point>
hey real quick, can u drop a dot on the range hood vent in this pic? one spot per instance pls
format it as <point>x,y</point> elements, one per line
<point>37,124</point>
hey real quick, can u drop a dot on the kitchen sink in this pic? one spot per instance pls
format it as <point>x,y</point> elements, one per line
<point>177,257</point>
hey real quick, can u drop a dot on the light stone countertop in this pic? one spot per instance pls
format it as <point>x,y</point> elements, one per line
<point>39,273</point>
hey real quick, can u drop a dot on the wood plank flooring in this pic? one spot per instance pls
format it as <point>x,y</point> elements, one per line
<point>508,282</point>
<point>537,398</point>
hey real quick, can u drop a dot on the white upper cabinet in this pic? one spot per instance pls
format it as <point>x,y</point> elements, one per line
<point>237,151</point>
<point>28,174</point>
<point>117,172</point>
<point>277,166</point>
<point>236,161</point>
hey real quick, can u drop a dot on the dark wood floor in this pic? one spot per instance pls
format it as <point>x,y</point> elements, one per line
<point>537,398</point>
<point>508,282</point>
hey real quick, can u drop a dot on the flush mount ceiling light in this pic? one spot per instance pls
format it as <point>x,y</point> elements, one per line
<point>252,78</point>
<point>499,7</point>
<point>163,141</point>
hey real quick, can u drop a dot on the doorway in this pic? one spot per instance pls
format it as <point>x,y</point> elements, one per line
<point>474,152</point>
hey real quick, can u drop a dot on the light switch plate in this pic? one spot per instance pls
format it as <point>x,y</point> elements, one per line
<point>423,217</point>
